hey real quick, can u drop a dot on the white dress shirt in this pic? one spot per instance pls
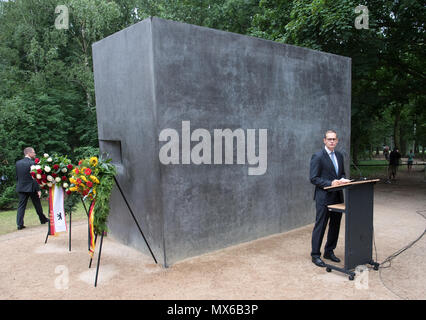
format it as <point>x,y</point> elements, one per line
<point>329,154</point>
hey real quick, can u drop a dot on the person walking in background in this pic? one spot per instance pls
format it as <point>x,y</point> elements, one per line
<point>410,160</point>
<point>394,158</point>
<point>27,187</point>
<point>326,169</point>
<point>386,152</point>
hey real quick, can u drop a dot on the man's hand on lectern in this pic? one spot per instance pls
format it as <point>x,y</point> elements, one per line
<point>339,182</point>
<point>344,181</point>
<point>335,183</point>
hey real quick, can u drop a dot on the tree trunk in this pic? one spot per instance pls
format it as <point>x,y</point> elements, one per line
<point>397,127</point>
<point>355,150</point>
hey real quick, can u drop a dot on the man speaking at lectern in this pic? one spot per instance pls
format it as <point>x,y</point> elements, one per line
<point>326,169</point>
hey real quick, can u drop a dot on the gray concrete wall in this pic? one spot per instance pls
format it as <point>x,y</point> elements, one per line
<point>166,72</point>
<point>126,117</point>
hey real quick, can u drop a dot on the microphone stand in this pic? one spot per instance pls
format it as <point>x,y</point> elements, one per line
<point>361,177</point>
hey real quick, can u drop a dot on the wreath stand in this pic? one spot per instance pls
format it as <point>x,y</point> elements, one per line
<point>103,233</point>
<point>69,232</point>
<point>48,225</point>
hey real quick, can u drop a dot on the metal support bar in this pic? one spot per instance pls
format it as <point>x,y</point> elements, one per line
<point>69,241</point>
<point>84,205</point>
<point>99,260</point>
<point>134,218</point>
<point>48,225</point>
<point>329,267</point>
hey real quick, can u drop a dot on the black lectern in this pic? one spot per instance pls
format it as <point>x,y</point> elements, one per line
<point>358,208</point>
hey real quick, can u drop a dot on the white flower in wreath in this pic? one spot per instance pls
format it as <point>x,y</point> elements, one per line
<point>47,169</point>
<point>37,167</point>
<point>65,185</point>
<point>38,176</point>
<point>49,178</point>
<point>46,155</point>
<point>57,179</point>
<point>64,170</point>
<point>49,160</point>
<point>49,184</point>
<point>33,167</point>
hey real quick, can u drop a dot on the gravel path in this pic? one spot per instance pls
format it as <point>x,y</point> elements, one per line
<point>275,267</point>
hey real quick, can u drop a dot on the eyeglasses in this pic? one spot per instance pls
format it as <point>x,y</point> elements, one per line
<point>331,139</point>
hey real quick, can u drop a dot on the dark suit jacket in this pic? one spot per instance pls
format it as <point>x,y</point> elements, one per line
<point>322,173</point>
<point>25,182</point>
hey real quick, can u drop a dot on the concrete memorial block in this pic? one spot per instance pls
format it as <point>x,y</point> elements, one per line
<point>212,133</point>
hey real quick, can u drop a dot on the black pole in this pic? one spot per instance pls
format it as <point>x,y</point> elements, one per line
<point>48,225</point>
<point>88,225</point>
<point>99,259</point>
<point>70,232</point>
<point>84,205</point>
<point>134,218</point>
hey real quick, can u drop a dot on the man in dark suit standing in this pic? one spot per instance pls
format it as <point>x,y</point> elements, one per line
<point>326,169</point>
<point>27,187</point>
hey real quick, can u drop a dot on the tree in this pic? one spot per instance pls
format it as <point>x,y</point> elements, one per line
<point>387,58</point>
<point>46,89</point>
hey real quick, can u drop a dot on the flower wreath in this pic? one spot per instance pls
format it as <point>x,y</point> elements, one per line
<point>50,170</point>
<point>93,178</point>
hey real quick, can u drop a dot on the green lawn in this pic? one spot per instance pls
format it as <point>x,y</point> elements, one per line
<point>373,169</point>
<point>380,169</point>
<point>8,218</point>
<point>375,162</point>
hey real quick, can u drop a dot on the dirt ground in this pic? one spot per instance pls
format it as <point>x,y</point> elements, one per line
<point>276,267</point>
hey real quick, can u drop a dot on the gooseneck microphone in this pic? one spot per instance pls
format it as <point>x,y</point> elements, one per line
<point>361,177</point>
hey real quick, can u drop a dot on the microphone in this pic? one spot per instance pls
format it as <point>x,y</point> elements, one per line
<point>359,171</point>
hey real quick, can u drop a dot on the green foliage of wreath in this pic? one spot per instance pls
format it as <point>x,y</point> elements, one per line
<point>102,208</point>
